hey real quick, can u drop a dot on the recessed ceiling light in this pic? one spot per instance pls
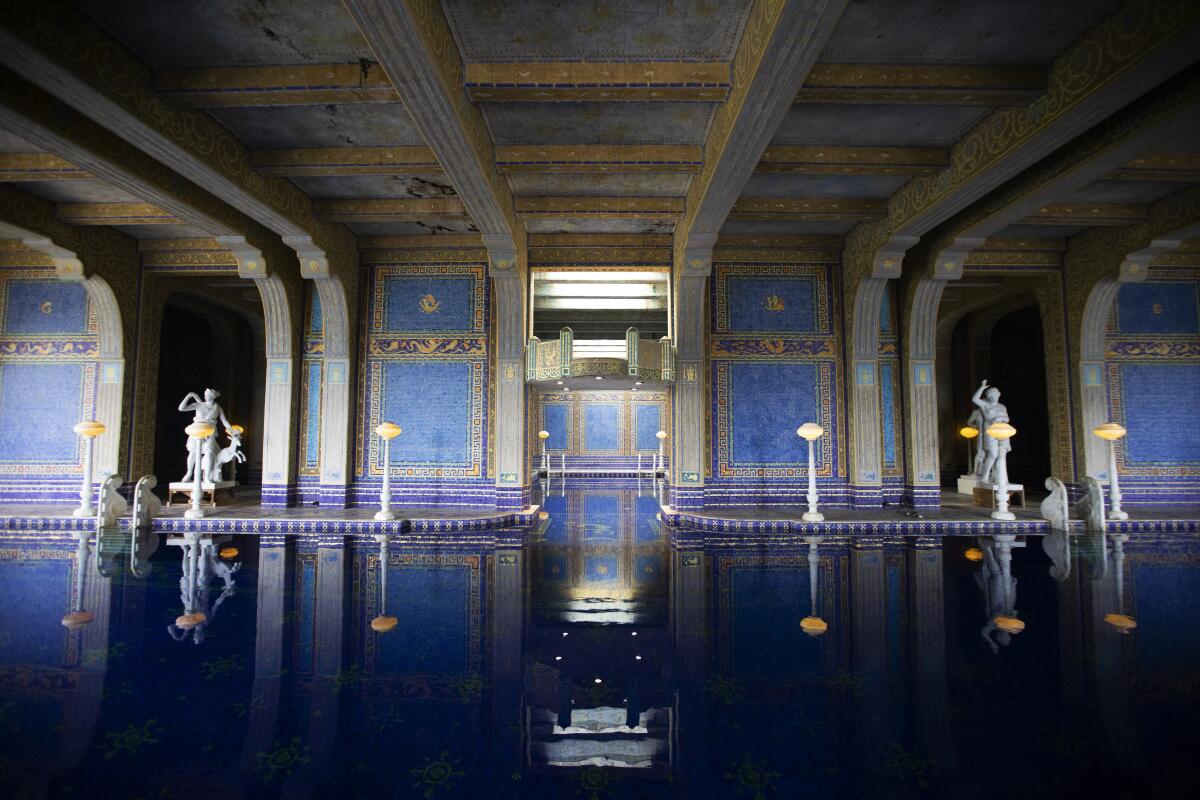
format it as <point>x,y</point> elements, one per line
<point>558,658</point>
<point>635,388</point>
<point>637,383</point>
<point>597,680</point>
<point>599,377</point>
<point>559,383</point>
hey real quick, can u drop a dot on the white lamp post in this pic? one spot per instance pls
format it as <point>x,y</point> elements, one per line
<point>1110,432</point>
<point>544,435</point>
<point>811,431</point>
<point>200,431</point>
<point>1001,431</point>
<point>662,464</point>
<point>387,431</point>
<point>89,429</point>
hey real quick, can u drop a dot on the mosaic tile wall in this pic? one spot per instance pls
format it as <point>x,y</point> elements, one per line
<point>310,398</point>
<point>49,347</point>
<point>891,419</point>
<point>425,367</point>
<point>604,430</point>
<point>774,364</point>
<point>1153,364</point>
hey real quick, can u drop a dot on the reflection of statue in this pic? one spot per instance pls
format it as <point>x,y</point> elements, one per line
<point>200,562</point>
<point>999,589</point>
<point>992,411</point>
<point>208,411</point>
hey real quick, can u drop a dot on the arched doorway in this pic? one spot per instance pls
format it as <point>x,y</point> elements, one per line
<point>214,340</point>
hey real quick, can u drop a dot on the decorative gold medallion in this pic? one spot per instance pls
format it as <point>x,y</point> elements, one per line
<point>773,303</point>
<point>46,307</point>
<point>429,304</point>
<point>1157,309</point>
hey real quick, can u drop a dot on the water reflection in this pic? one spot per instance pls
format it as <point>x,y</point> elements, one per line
<point>599,656</point>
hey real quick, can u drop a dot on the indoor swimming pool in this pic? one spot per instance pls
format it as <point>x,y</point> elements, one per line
<point>598,655</point>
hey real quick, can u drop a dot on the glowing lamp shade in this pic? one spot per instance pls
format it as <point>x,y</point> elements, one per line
<point>1109,431</point>
<point>236,430</point>
<point>228,553</point>
<point>90,428</point>
<point>1009,624</point>
<point>1122,622</point>
<point>810,431</point>
<point>186,622</point>
<point>200,430</point>
<point>973,554</point>
<point>1001,430</point>
<point>813,626</point>
<point>543,435</point>
<point>967,432</point>
<point>660,435</point>
<point>388,430</point>
<point>384,623</point>
<point>76,620</point>
<point>543,515</point>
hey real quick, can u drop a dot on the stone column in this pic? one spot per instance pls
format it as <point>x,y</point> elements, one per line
<point>688,450</point>
<point>512,482</point>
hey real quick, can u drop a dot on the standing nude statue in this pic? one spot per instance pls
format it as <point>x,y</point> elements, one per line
<point>992,411</point>
<point>207,410</point>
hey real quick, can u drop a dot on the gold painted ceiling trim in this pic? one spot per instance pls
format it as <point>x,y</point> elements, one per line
<point>853,160</point>
<point>1163,166</point>
<point>1047,244</point>
<point>16,167</point>
<point>816,209</point>
<point>600,255</point>
<point>114,214</point>
<point>551,81</point>
<point>195,243</point>
<point>599,158</point>
<point>601,207</point>
<point>391,210</point>
<point>940,84</point>
<point>421,241</point>
<point>328,161</point>
<point>788,241</point>
<point>600,240</point>
<point>311,84</point>
<point>1090,214</point>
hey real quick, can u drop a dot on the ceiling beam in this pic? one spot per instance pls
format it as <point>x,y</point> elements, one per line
<point>1087,214</point>
<point>551,81</point>
<point>1162,166</point>
<point>114,214</point>
<point>16,167</point>
<point>923,84</point>
<point>417,49</point>
<point>840,160</point>
<point>294,162</point>
<point>779,44</point>
<point>644,208</point>
<point>814,209</point>
<point>599,158</point>
<point>301,85</point>
<point>407,209</point>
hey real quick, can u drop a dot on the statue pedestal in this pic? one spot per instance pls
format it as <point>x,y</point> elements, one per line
<point>985,494</point>
<point>206,488</point>
<point>967,483</point>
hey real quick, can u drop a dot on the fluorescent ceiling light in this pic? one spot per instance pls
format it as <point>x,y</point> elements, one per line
<point>563,289</point>
<point>602,303</point>
<point>601,276</point>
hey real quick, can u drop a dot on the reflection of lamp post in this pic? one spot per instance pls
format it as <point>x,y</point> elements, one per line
<point>662,464</point>
<point>89,429</point>
<point>811,431</point>
<point>199,431</point>
<point>1001,431</point>
<point>387,431</point>
<point>384,622</point>
<point>1007,620</point>
<point>813,625</point>
<point>1120,620</point>
<point>544,435</point>
<point>1110,432</point>
<point>77,617</point>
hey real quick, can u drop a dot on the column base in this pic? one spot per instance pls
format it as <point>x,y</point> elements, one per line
<point>278,495</point>
<point>385,516</point>
<point>334,495</point>
<point>813,516</point>
<point>923,496</point>
<point>870,496</point>
<point>513,498</point>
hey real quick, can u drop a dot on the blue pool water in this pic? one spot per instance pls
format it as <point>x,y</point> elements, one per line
<point>599,656</point>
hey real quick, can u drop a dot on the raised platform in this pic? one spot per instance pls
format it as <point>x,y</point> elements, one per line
<point>245,515</point>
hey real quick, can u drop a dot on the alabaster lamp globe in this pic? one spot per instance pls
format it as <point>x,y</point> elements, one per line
<point>384,623</point>
<point>814,626</point>
<point>968,432</point>
<point>200,430</point>
<point>543,435</point>
<point>1123,623</point>
<point>660,435</point>
<point>226,553</point>
<point>1109,431</point>
<point>388,430</point>
<point>90,428</point>
<point>810,431</point>
<point>973,554</point>
<point>1001,430</point>
<point>76,620</point>
<point>1009,624</point>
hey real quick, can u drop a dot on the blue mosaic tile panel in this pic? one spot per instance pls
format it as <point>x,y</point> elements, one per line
<point>39,405</point>
<point>312,416</point>
<point>316,323</point>
<point>647,568</point>
<point>431,402</point>
<point>601,569</point>
<point>601,428</point>
<point>1169,308</point>
<point>556,421</point>
<point>771,304</point>
<point>429,303</point>
<point>433,605</point>
<point>768,401</point>
<point>33,307</point>
<point>34,595</point>
<point>1158,405</point>
<point>554,567</point>
<point>887,396</point>
<point>759,645</point>
<point>647,421</point>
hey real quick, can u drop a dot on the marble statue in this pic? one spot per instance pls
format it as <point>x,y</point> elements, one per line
<point>991,411</point>
<point>232,452</point>
<point>1054,507</point>
<point>202,454</point>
